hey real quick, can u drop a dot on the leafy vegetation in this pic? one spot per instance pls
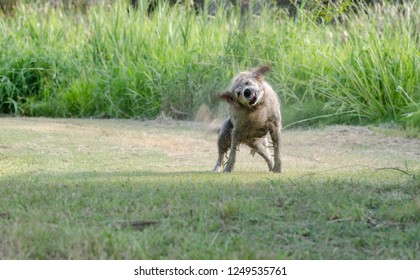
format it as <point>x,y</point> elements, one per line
<point>110,62</point>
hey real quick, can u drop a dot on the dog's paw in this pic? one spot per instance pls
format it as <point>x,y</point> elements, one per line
<point>277,168</point>
<point>228,169</point>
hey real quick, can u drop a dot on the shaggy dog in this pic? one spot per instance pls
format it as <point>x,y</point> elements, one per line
<point>254,111</point>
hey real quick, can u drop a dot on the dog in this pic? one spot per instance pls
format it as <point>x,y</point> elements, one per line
<point>254,111</point>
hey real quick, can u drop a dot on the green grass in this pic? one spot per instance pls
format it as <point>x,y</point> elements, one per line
<point>68,187</point>
<point>108,63</point>
<point>207,216</point>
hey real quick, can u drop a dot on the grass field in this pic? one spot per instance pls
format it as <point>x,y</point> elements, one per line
<point>135,189</point>
<point>121,189</point>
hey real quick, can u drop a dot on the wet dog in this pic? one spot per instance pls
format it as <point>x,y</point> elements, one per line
<point>254,111</point>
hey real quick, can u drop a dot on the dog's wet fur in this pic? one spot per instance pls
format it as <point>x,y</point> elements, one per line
<point>254,111</point>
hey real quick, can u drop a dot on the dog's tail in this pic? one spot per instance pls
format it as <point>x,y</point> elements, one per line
<point>208,119</point>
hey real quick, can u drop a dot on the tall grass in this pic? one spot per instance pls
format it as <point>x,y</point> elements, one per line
<point>376,75</point>
<point>111,63</point>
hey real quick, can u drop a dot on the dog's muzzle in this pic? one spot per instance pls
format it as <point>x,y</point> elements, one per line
<point>250,94</point>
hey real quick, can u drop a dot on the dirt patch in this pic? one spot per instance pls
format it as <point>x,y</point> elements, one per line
<point>351,147</point>
<point>192,146</point>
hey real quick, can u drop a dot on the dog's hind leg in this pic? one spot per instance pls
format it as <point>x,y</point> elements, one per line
<point>260,146</point>
<point>223,143</point>
<point>220,159</point>
<point>276,137</point>
<point>232,154</point>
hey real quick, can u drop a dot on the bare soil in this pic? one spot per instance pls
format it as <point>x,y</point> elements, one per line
<point>191,146</point>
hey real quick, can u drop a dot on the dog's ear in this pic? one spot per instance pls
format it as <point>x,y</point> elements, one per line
<point>260,71</point>
<point>227,95</point>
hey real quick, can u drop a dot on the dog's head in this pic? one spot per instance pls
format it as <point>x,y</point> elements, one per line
<point>247,88</point>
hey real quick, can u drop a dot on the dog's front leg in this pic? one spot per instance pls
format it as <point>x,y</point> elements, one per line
<point>275,133</point>
<point>232,155</point>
